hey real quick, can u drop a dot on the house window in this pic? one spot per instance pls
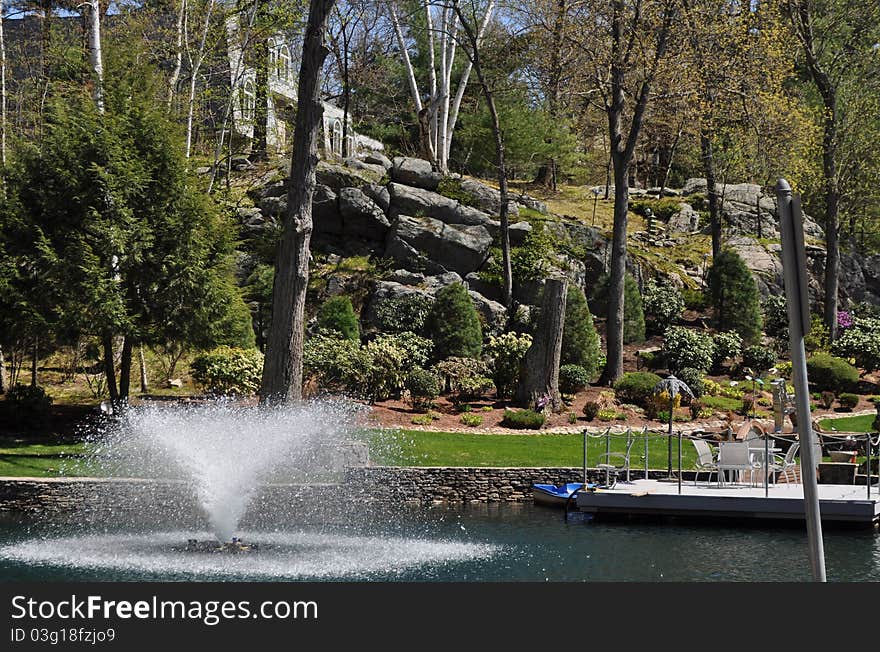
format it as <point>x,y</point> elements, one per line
<point>248,100</point>
<point>273,56</point>
<point>283,63</point>
<point>337,138</point>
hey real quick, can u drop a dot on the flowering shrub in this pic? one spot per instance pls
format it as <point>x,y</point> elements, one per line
<point>728,345</point>
<point>684,347</point>
<point>663,304</point>
<point>844,320</point>
<point>229,371</point>
<point>860,342</point>
<point>506,353</point>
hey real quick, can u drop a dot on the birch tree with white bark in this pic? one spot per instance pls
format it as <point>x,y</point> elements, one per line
<point>437,106</point>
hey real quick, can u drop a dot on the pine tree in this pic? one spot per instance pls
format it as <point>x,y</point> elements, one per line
<point>580,341</point>
<point>337,314</point>
<point>735,296</point>
<point>453,324</point>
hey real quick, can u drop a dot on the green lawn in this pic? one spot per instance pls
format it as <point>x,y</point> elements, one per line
<point>417,448</point>
<point>41,460</point>
<point>863,423</point>
<point>398,448</point>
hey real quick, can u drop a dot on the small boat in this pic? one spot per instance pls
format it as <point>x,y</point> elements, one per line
<point>550,494</point>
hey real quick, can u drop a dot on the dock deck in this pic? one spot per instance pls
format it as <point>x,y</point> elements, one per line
<point>837,503</point>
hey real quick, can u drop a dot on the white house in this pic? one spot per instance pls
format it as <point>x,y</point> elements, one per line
<point>283,80</point>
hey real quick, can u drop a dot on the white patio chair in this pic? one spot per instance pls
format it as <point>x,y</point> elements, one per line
<point>705,459</point>
<point>733,456</point>
<point>785,464</point>
<point>615,462</point>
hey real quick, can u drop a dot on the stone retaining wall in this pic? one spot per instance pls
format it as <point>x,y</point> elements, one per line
<point>368,484</point>
<point>375,484</point>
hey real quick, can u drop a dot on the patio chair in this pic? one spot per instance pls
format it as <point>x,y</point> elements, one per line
<point>705,459</point>
<point>784,464</point>
<point>733,456</point>
<point>615,462</point>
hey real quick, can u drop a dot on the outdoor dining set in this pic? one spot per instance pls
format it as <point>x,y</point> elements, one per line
<point>748,461</point>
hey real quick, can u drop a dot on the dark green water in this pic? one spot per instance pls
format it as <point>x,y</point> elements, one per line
<point>482,543</point>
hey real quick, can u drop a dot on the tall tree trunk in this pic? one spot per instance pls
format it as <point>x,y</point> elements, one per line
<point>125,370</point>
<point>2,372</point>
<point>282,370</point>
<point>143,368</point>
<point>2,109</point>
<point>259,142</point>
<point>195,65</point>
<point>35,356</point>
<point>708,159</point>
<point>832,208</point>
<point>109,368</point>
<point>346,97</point>
<point>507,271</point>
<point>803,21</point>
<point>178,54</point>
<point>540,370</point>
<point>95,58</point>
<point>617,271</point>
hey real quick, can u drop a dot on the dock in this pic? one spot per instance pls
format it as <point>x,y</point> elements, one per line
<point>783,502</point>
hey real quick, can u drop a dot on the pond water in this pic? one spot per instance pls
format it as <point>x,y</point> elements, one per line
<point>471,544</point>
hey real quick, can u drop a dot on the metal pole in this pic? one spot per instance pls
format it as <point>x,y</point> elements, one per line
<point>868,464</point>
<point>585,458</point>
<point>795,270</point>
<point>646,453</point>
<point>766,465</point>
<point>669,440</point>
<point>679,462</point>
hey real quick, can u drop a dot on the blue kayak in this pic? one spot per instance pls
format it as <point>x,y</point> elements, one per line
<point>550,494</point>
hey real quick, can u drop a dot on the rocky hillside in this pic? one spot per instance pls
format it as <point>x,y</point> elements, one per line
<point>431,230</point>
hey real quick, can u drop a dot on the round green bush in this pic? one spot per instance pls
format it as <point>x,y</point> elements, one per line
<point>337,315</point>
<point>686,347</point>
<point>228,371</point>
<point>826,372</point>
<point>728,345</point>
<point>573,378</point>
<point>693,378</point>
<point>423,387</point>
<point>27,405</point>
<point>472,420</point>
<point>758,358</point>
<point>453,324</point>
<point>523,419</point>
<point>735,296</point>
<point>848,401</point>
<point>636,387</point>
<point>405,313</point>
<point>580,341</point>
<point>663,304</point>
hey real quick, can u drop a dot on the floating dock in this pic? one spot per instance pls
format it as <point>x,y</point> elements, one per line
<point>783,502</point>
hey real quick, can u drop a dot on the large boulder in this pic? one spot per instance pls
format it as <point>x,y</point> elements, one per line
<point>487,199</point>
<point>740,207</point>
<point>415,172</point>
<point>361,216</point>
<point>363,166</point>
<point>455,247</point>
<point>326,218</point>
<point>378,158</point>
<point>493,313</point>
<point>406,200</point>
<point>379,194</point>
<point>686,220</point>
<point>338,176</point>
<point>409,258</point>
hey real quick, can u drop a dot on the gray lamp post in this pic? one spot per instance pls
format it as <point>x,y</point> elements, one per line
<point>596,192</point>
<point>675,387</point>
